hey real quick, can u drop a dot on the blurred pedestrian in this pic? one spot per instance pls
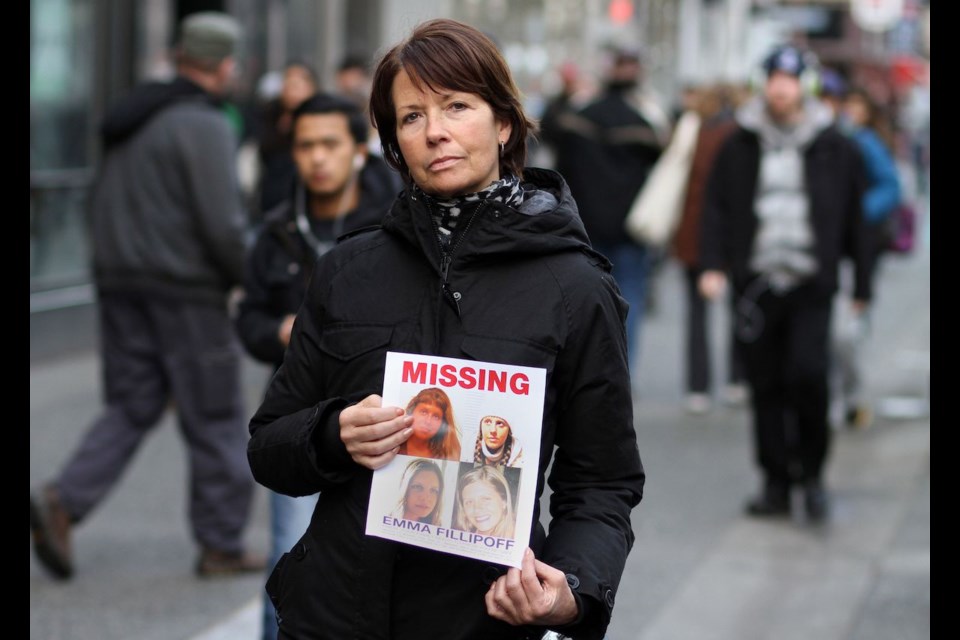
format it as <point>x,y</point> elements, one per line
<point>782,209</point>
<point>861,117</point>
<point>715,105</point>
<point>452,272</point>
<point>571,96</point>
<point>277,173</point>
<point>831,89</point>
<point>352,78</point>
<point>606,152</point>
<point>167,230</point>
<point>339,188</point>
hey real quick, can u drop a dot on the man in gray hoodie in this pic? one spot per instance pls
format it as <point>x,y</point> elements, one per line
<point>168,227</point>
<point>782,209</point>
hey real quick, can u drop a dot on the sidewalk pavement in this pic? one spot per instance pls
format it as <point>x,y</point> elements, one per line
<point>699,570</point>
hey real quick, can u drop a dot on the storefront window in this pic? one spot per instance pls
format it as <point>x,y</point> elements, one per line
<point>61,141</point>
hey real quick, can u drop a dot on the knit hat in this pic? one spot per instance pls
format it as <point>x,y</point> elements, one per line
<point>209,35</point>
<point>832,84</point>
<point>786,58</point>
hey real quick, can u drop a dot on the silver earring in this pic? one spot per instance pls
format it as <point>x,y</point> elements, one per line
<point>502,144</point>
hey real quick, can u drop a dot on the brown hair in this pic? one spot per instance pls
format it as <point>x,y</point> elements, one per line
<point>447,54</point>
<point>878,119</point>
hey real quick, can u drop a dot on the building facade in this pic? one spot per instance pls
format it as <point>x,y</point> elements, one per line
<point>86,53</point>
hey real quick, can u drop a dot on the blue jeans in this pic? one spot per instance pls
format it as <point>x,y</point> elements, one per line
<point>289,519</point>
<point>631,270</point>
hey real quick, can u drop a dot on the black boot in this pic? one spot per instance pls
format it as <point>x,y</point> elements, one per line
<point>774,500</point>
<point>816,500</point>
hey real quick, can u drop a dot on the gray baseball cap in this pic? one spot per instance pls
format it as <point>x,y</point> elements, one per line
<point>209,35</point>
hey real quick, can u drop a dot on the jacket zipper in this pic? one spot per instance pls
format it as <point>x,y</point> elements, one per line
<point>446,258</point>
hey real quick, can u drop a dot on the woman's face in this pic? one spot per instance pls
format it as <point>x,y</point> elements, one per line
<point>856,110</point>
<point>495,431</point>
<point>297,87</point>
<point>423,492</point>
<point>427,419</point>
<point>449,140</point>
<point>482,506</point>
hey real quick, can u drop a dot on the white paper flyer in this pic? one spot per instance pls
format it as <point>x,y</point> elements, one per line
<point>465,481</point>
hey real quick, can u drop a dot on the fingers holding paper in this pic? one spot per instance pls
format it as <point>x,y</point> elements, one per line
<point>536,593</point>
<point>372,433</point>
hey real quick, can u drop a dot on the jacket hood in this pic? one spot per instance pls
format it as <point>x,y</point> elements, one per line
<point>816,117</point>
<point>548,222</point>
<point>135,109</point>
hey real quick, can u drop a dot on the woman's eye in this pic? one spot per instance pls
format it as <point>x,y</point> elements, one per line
<point>410,117</point>
<point>458,106</point>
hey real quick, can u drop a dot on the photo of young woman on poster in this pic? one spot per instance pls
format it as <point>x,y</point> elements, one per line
<point>484,502</point>
<point>496,444</point>
<point>421,492</point>
<point>435,433</point>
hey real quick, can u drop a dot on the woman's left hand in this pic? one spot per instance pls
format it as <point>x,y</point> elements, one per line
<point>536,593</point>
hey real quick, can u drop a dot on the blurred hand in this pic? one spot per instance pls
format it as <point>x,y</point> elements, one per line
<point>286,326</point>
<point>373,434</point>
<point>712,284</point>
<point>536,593</point>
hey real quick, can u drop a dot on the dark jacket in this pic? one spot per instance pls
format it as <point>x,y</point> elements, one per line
<point>605,153</point>
<point>835,181</point>
<point>281,260</point>
<point>518,289</point>
<point>166,214</point>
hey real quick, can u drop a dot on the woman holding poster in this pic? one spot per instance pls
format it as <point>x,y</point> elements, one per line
<point>484,260</point>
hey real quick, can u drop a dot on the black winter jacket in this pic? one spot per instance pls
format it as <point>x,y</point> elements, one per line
<point>279,264</point>
<point>518,289</point>
<point>606,152</point>
<point>835,182</point>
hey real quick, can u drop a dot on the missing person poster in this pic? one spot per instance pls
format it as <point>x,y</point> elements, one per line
<point>465,481</point>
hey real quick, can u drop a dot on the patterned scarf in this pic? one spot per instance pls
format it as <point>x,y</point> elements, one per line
<point>449,212</point>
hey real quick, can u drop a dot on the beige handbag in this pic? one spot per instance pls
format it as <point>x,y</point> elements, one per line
<point>655,212</point>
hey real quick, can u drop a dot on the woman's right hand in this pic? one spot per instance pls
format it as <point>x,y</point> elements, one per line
<point>373,433</point>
